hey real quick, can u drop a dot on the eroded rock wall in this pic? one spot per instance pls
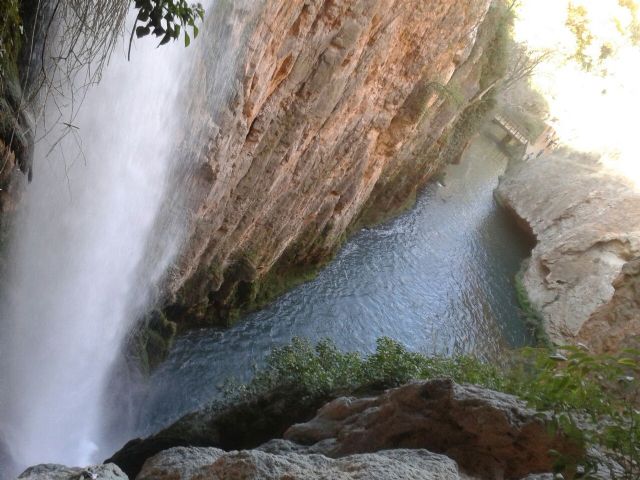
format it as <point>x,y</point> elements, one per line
<point>584,271</point>
<point>341,110</point>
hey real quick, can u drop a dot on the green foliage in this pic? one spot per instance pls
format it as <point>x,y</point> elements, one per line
<point>633,31</point>
<point>532,317</point>
<point>578,23</point>
<point>167,19</point>
<point>10,33</point>
<point>452,92</point>
<point>493,68</point>
<point>11,136</point>
<point>592,50</point>
<point>467,125</point>
<point>149,344</point>
<point>322,369</point>
<point>593,398</point>
<point>496,57</point>
<point>10,42</point>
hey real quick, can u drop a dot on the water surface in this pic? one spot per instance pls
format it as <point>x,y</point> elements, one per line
<point>438,278</point>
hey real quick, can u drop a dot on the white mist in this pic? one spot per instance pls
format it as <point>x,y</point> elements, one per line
<point>77,255</point>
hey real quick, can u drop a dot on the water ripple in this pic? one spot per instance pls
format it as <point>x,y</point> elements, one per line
<point>438,279</point>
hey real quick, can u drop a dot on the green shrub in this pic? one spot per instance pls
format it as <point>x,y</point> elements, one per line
<point>593,397</point>
<point>322,369</point>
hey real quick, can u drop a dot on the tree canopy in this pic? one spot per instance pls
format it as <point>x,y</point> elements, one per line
<point>598,37</point>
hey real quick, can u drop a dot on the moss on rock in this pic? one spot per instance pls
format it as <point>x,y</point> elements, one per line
<point>150,342</point>
<point>532,317</point>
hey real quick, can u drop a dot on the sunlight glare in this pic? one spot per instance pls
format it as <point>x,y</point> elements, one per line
<point>590,112</point>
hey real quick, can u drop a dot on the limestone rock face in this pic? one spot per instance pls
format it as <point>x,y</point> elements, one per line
<point>489,434</point>
<point>339,110</point>
<point>329,113</point>
<point>60,472</point>
<point>213,464</point>
<point>583,272</point>
<point>616,324</point>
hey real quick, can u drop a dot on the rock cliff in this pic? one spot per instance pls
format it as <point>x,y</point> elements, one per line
<point>329,115</point>
<point>583,274</point>
<point>341,109</point>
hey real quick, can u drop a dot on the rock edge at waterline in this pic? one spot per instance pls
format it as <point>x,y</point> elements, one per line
<point>585,269</point>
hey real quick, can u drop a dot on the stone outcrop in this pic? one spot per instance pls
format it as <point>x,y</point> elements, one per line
<point>60,472</point>
<point>214,464</point>
<point>490,434</point>
<point>238,426</point>
<point>486,434</point>
<point>584,271</point>
<point>340,111</point>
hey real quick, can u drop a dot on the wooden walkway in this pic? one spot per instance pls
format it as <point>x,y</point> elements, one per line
<point>511,129</point>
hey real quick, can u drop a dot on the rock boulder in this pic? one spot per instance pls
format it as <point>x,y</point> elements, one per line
<point>583,272</point>
<point>213,464</point>
<point>60,472</point>
<point>489,434</point>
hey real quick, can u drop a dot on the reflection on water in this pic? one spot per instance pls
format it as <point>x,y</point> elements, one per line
<point>438,279</point>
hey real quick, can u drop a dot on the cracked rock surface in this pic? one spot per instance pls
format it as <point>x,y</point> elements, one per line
<point>489,434</point>
<point>211,463</point>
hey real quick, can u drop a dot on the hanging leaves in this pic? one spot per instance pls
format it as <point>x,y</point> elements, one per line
<point>166,19</point>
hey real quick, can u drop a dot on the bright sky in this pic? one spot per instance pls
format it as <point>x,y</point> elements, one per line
<point>591,113</point>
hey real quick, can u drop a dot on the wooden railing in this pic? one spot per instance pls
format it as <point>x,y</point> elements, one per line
<point>511,128</point>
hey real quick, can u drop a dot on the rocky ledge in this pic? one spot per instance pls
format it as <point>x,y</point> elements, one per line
<point>424,430</point>
<point>584,272</point>
<point>60,472</point>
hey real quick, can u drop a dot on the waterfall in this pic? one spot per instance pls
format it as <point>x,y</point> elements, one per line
<point>87,250</point>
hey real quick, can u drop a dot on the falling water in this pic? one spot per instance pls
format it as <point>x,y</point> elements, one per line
<point>85,257</point>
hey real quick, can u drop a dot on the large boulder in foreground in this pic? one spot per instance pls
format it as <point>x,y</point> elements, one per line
<point>60,472</point>
<point>584,270</point>
<point>489,434</point>
<point>212,464</point>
